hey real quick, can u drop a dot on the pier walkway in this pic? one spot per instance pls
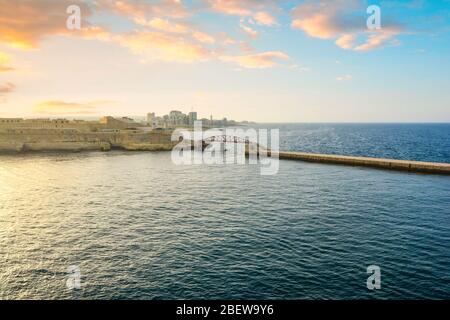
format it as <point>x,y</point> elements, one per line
<point>391,164</point>
<point>380,163</point>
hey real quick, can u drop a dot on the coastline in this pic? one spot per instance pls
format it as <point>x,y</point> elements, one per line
<point>410,166</point>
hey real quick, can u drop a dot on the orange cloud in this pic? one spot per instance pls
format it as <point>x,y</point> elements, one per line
<point>346,41</point>
<point>258,61</point>
<point>326,19</point>
<point>34,21</point>
<point>167,26</point>
<point>163,46</point>
<point>335,20</point>
<point>59,107</point>
<point>378,39</point>
<point>248,30</point>
<point>138,9</point>
<point>24,23</point>
<point>159,36</point>
<point>318,26</point>
<point>7,88</point>
<point>232,7</point>
<point>203,37</point>
<point>164,25</point>
<point>4,62</point>
<point>265,18</point>
<point>257,9</point>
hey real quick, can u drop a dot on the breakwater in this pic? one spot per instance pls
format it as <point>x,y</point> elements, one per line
<point>390,164</point>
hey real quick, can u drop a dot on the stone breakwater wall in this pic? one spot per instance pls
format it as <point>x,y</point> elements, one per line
<point>22,140</point>
<point>390,164</point>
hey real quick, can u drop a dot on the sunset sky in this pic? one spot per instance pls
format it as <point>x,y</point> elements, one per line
<point>260,60</point>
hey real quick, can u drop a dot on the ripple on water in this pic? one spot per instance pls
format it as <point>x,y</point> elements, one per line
<point>141,228</point>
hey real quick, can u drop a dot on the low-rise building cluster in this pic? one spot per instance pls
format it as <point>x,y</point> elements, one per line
<point>174,119</point>
<point>179,119</point>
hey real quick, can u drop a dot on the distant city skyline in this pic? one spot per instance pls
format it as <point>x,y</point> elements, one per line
<point>263,61</point>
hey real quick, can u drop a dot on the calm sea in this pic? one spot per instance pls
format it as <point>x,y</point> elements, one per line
<point>423,142</point>
<point>139,227</point>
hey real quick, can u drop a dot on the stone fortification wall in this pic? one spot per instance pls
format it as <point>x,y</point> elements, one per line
<point>49,139</point>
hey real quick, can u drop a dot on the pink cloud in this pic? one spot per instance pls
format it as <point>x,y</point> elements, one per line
<point>139,9</point>
<point>248,30</point>
<point>346,41</point>
<point>24,23</point>
<point>259,60</point>
<point>258,10</point>
<point>343,21</point>
<point>264,18</point>
<point>162,29</point>
<point>6,89</point>
<point>378,39</point>
<point>163,46</point>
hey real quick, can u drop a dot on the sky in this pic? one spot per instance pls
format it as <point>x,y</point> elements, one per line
<point>258,60</point>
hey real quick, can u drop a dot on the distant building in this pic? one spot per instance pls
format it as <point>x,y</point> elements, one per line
<point>11,120</point>
<point>177,118</point>
<point>47,123</point>
<point>150,118</point>
<point>192,117</point>
<point>174,119</point>
<point>154,122</point>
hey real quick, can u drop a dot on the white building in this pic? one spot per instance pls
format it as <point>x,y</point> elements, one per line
<point>177,118</point>
<point>192,117</point>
